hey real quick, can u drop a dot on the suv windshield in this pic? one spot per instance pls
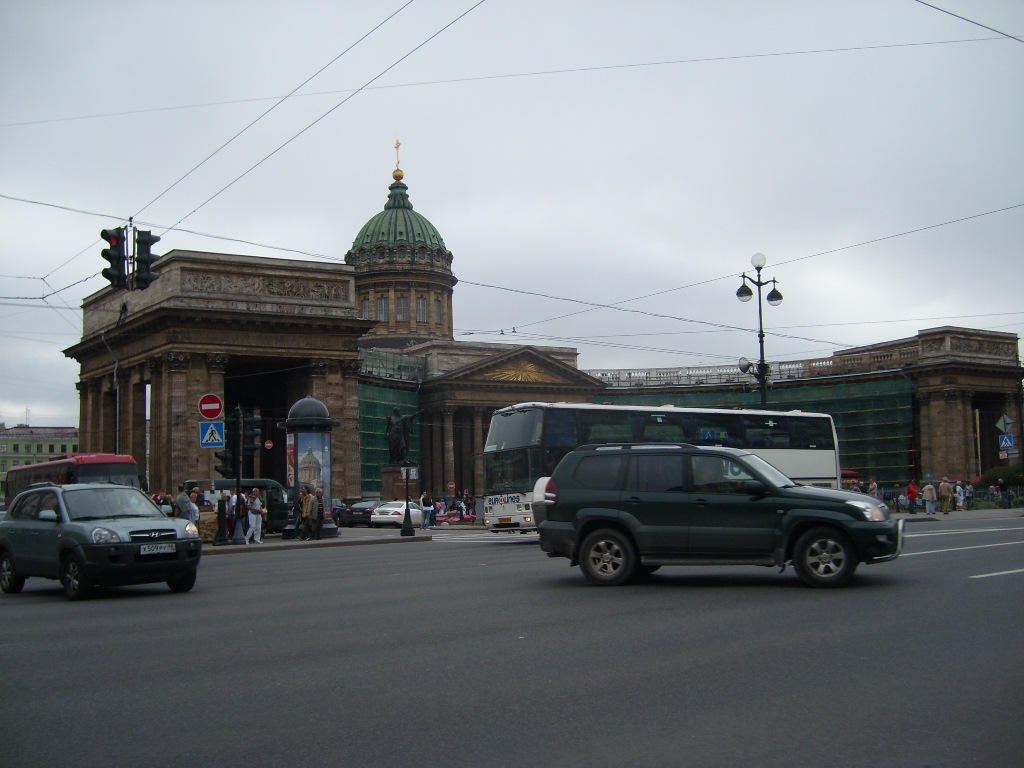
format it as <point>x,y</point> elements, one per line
<point>767,472</point>
<point>101,503</point>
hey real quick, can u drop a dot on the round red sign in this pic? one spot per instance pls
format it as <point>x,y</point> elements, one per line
<point>210,406</point>
<point>269,444</point>
<point>451,485</point>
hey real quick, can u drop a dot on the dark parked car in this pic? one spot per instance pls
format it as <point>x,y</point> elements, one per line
<point>86,535</point>
<point>355,514</point>
<point>623,511</point>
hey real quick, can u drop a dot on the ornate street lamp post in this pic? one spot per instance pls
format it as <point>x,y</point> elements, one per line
<point>743,293</point>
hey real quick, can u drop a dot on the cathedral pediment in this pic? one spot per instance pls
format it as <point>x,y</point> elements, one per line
<point>524,365</point>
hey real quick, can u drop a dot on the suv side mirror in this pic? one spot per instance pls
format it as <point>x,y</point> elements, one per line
<point>48,515</point>
<point>755,488</point>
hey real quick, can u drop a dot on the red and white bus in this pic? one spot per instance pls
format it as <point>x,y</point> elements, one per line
<point>72,468</point>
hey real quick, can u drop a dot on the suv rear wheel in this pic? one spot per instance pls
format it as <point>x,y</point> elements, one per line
<point>10,582</point>
<point>824,557</point>
<point>608,558</point>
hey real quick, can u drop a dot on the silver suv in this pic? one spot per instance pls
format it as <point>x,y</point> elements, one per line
<point>87,535</point>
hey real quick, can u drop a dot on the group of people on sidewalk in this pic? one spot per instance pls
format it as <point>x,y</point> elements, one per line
<point>941,499</point>
<point>236,509</point>
<point>310,506</point>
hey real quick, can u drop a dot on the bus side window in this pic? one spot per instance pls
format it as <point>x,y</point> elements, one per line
<point>560,429</point>
<point>662,428</point>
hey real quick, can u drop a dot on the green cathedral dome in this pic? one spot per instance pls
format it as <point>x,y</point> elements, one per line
<point>398,225</point>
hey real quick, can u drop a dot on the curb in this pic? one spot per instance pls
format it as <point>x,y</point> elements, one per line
<point>280,545</point>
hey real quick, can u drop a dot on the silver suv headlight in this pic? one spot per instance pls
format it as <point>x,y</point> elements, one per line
<point>191,532</point>
<point>105,536</point>
<point>872,512</point>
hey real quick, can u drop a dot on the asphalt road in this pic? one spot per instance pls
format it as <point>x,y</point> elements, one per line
<point>477,650</point>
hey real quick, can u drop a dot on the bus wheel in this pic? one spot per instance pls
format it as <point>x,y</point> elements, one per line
<point>608,558</point>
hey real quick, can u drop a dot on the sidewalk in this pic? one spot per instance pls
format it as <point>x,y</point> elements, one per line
<point>997,513</point>
<point>347,537</point>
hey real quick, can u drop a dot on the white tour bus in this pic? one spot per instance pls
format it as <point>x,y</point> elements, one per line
<point>526,441</point>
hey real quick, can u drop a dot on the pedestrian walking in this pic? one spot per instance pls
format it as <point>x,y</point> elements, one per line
<point>945,495</point>
<point>182,503</point>
<point>318,512</point>
<point>426,505</point>
<point>930,499</point>
<point>912,494</point>
<point>306,504</point>
<point>255,507</point>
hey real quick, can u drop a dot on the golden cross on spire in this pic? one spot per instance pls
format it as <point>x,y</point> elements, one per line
<point>398,160</point>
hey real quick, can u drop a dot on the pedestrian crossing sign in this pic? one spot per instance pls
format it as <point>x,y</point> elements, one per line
<point>211,434</point>
<point>1005,442</point>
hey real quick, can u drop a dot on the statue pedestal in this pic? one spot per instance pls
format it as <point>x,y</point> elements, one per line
<point>392,482</point>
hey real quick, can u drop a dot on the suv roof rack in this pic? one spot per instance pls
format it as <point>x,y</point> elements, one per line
<point>631,446</point>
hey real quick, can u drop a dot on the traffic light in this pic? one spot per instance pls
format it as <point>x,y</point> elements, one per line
<point>226,468</point>
<point>145,258</point>
<point>231,429</point>
<point>116,254</point>
<point>250,433</point>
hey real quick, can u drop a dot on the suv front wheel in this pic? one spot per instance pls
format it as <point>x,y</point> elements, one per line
<point>824,557</point>
<point>72,578</point>
<point>608,558</point>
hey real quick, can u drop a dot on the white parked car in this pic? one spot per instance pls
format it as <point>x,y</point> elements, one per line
<point>393,513</point>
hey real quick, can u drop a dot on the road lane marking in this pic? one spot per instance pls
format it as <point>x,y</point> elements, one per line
<point>956,533</point>
<point>999,573</point>
<point>960,549</point>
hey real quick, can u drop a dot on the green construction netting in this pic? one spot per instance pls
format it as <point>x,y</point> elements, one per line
<point>376,404</point>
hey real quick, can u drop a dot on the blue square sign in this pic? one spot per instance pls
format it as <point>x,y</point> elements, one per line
<point>211,434</point>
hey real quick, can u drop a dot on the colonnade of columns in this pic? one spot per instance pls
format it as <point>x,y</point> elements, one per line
<point>452,446</point>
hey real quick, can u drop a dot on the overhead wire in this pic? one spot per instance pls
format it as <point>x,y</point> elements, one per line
<point>512,75</point>
<point>970,21</point>
<point>270,109</point>
<point>348,98</point>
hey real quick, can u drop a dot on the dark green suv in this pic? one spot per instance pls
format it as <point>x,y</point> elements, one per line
<point>624,510</point>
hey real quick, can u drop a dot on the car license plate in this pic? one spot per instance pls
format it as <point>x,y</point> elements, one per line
<point>157,549</point>
<point>504,519</point>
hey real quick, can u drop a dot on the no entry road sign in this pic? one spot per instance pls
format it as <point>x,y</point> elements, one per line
<point>210,406</point>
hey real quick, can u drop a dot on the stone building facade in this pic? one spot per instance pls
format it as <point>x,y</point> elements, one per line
<point>377,333</point>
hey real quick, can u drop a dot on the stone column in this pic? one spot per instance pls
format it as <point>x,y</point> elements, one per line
<point>448,465</point>
<point>182,446</point>
<point>133,418</point>
<point>479,436</point>
<point>107,417</point>
<point>347,477</point>
<point>159,431</point>
<point>436,454</point>
<point>88,412</point>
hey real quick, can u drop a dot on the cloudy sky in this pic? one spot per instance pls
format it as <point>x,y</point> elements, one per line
<point>602,171</point>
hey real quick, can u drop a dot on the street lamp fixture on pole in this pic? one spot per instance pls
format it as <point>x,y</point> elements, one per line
<point>761,369</point>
